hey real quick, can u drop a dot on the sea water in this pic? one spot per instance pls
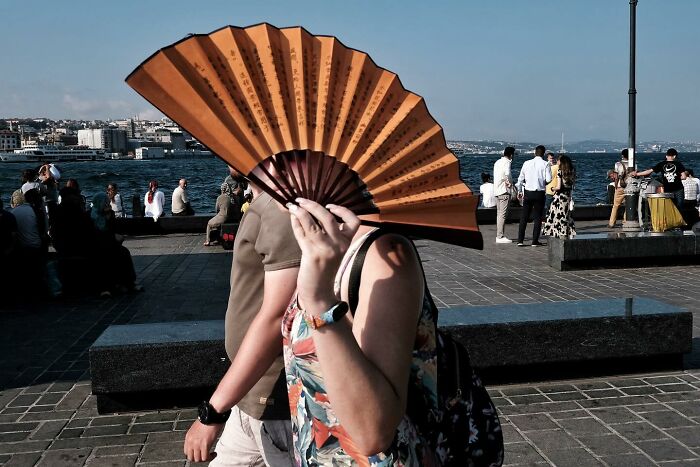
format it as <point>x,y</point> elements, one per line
<point>204,176</point>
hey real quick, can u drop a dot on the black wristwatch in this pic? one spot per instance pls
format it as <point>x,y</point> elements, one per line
<point>209,416</point>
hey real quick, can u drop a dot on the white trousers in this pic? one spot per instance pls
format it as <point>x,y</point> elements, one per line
<point>247,442</point>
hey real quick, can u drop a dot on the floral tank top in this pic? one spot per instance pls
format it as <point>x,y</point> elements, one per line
<point>319,439</point>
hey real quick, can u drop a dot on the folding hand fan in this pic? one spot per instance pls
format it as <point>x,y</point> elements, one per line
<point>303,115</point>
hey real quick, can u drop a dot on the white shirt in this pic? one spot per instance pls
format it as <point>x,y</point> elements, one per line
<point>501,174</point>
<point>488,200</point>
<point>154,209</point>
<point>534,175</point>
<point>690,188</point>
<point>27,226</point>
<point>116,205</point>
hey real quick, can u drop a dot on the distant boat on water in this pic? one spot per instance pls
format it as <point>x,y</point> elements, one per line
<point>50,153</point>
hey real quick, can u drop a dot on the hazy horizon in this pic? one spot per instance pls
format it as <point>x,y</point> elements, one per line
<point>502,70</point>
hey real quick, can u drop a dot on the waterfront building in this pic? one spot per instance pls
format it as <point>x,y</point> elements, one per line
<point>150,153</point>
<point>111,140</point>
<point>9,140</point>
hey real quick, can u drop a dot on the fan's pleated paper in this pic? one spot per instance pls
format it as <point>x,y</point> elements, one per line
<point>303,115</point>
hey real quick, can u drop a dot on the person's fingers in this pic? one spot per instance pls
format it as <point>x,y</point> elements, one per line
<point>204,452</point>
<point>298,231</point>
<point>321,214</point>
<point>306,220</point>
<point>350,221</point>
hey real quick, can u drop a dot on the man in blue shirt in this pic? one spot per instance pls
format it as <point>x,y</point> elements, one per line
<point>532,182</point>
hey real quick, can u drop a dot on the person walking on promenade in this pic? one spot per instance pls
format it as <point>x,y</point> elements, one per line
<point>532,181</point>
<point>115,200</point>
<point>620,173</point>
<point>559,222</point>
<point>502,189</point>
<point>181,204</point>
<point>488,200</point>
<point>552,160</point>
<point>691,188</point>
<point>671,170</point>
<point>224,211</point>
<point>153,201</point>
<point>251,399</point>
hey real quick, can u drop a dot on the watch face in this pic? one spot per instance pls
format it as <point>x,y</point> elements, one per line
<point>339,311</point>
<point>203,412</point>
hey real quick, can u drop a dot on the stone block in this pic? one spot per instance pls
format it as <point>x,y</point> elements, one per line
<point>623,248</point>
<point>573,331</point>
<point>164,360</point>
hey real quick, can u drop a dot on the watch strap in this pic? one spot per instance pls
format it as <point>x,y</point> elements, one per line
<point>332,315</point>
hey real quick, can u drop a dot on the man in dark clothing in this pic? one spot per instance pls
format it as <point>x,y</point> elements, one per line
<point>670,170</point>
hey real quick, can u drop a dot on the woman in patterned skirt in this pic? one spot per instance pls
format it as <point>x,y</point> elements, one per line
<point>559,222</point>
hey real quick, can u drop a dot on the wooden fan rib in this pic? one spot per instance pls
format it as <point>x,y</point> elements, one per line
<point>420,153</point>
<point>339,143</point>
<point>296,39</point>
<point>371,115</point>
<point>324,92</point>
<point>201,58</point>
<point>339,100</point>
<point>440,171</point>
<point>268,43</point>
<point>182,102</point>
<point>405,133</point>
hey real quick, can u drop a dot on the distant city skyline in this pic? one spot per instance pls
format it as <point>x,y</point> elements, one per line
<point>502,70</point>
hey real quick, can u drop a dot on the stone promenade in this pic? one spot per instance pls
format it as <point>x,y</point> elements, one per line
<point>48,417</point>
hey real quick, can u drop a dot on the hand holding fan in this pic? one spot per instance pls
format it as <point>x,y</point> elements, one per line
<point>304,116</point>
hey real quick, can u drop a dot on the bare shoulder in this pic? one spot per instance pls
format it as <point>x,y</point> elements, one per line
<point>393,251</point>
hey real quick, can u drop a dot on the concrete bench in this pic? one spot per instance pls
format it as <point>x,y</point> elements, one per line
<point>176,364</point>
<point>566,339</point>
<point>623,249</point>
<point>157,365</point>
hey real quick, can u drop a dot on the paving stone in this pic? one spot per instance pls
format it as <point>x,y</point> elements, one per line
<point>151,427</point>
<point>120,461</point>
<point>112,420</point>
<point>532,422</point>
<point>23,446</point>
<point>521,453</point>
<point>42,416</point>
<point>677,396</point>
<point>27,459</point>
<point>9,427</point>
<point>168,464</point>
<point>676,387</point>
<point>156,417</point>
<point>118,450</point>
<point>69,433</point>
<point>14,436</point>
<point>690,436</point>
<point>628,382</point>
<point>162,452</point>
<point>105,430</point>
<point>584,426</point>
<point>519,391</point>
<point>639,431</point>
<point>601,393</point>
<point>529,399</point>
<point>510,435</point>
<point>98,441</point>
<point>628,460</point>
<point>667,419</point>
<point>567,396</point>
<point>607,445</point>
<point>557,388</point>
<point>662,379</point>
<point>665,450</point>
<point>576,457</point>
<point>592,385</point>
<point>49,430</point>
<point>615,415</point>
<point>166,436</point>
<point>78,423</point>
<point>24,400</point>
<point>689,409</point>
<point>50,398</point>
<point>640,390</point>
<point>64,458</point>
<point>616,401</point>
<point>549,440</point>
<point>643,408</point>
<point>569,414</point>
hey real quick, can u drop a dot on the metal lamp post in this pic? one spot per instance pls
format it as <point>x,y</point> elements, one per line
<point>631,222</point>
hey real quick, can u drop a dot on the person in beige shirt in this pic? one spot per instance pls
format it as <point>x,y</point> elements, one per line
<point>553,162</point>
<point>253,392</point>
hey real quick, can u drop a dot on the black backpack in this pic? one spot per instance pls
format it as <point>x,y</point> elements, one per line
<point>464,430</point>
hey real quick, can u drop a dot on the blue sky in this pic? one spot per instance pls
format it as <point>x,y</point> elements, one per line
<point>500,69</point>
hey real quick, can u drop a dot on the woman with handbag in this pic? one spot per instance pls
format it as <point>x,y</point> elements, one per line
<point>362,376</point>
<point>559,222</point>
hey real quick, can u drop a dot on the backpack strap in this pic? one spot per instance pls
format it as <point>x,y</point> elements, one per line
<point>356,269</point>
